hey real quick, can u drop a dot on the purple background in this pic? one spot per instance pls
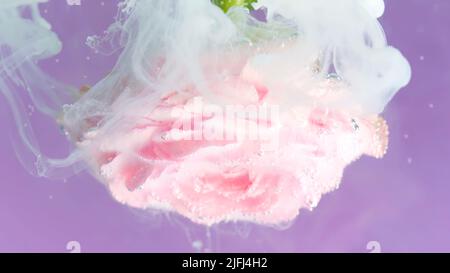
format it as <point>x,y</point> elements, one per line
<point>400,201</point>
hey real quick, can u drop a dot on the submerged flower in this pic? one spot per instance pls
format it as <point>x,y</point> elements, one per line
<point>161,157</point>
<point>224,117</point>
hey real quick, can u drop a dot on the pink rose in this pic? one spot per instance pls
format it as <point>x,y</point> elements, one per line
<point>158,164</point>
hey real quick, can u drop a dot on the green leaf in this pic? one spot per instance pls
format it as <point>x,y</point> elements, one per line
<point>225,5</point>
